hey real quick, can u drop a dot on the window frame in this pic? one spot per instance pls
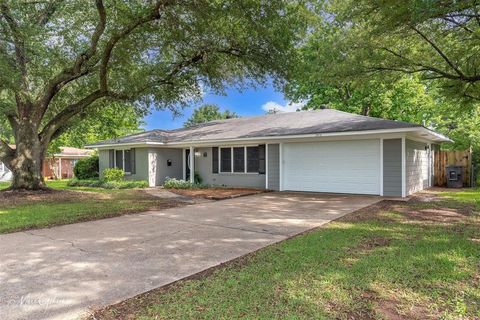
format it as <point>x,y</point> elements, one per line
<point>232,159</point>
<point>123,160</point>
<point>220,162</point>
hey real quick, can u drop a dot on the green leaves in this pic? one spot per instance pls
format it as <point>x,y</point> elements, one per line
<point>208,112</point>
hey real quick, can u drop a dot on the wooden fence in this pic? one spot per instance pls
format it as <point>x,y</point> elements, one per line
<point>443,159</point>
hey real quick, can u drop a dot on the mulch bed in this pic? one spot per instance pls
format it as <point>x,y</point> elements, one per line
<point>217,193</point>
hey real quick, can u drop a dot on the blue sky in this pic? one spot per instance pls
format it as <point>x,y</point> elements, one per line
<point>247,103</point>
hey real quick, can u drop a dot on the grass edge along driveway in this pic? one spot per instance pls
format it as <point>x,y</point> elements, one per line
<point>392,260</point>
<point>65,205</point>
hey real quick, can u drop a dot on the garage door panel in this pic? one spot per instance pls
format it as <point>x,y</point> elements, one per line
<point>340,166</point>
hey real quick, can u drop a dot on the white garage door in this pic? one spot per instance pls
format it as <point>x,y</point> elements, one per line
<point>333,166</point>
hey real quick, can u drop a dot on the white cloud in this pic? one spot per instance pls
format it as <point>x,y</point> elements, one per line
<point>277,107</point>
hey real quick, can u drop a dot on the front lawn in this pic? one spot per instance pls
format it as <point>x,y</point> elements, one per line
<point>416,260</point>
<point>27,210</point>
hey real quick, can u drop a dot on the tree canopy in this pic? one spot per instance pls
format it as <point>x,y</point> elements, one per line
<point>437,40</point>
<point>390,60</point>
<point>206,113</point>
<point>60,59</point>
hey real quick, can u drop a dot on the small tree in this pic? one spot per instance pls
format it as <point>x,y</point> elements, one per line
<point>208,112</point>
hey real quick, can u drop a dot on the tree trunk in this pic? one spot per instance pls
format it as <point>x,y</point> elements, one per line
<point>26,165</point>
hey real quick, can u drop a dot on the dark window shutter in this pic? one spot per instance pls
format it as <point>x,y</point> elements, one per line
<point>111,158</point>
<point>261,159</point>
<point>252,159</point>
<point>215,159</point>
<point>132,159</point>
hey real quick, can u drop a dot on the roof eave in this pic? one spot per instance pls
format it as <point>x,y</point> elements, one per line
<point>436,137</point>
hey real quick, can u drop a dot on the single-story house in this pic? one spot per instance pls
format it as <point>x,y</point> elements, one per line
<point>61,164</point>
<point>58,166</point>
<point>319,151</point>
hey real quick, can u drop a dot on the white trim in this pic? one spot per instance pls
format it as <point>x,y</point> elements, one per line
<point>266,166</point>
<point>404,169</point>
<point>441,138</point>
<point>184,167</point>
<point>381,167</point>
<point>192,165</point>
<point>280,171</point>
<point>430,165</point>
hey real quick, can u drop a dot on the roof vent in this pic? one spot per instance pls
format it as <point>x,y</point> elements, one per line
<point>323,107</point>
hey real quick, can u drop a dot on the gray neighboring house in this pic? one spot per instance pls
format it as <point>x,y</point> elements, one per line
<point>319,151</point>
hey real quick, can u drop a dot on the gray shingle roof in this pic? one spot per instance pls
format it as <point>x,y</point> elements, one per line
<point>282,124</point>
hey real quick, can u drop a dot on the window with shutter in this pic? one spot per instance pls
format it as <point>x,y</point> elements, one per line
<point>239,159</point>
<point>119,159</point>
<point>111,158</point>
<point>127,157</point>
<point>261,159</point>
<point>225,159</point>
<point>252,159</point>
<point>215,160</point>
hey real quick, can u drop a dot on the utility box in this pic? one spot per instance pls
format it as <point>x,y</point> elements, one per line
<point>455,176</point>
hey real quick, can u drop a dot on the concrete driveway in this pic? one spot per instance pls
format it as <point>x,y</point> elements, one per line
<point>61,272</point>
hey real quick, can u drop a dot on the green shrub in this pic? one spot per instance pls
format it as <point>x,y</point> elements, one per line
<point>124,184</point>
<point>108,184</point>
<point>197,178</point>
<point>86,168</point>
<point>113,174</point>
<point>172,183</point>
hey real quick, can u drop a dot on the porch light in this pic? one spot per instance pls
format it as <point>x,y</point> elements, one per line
<point>197,154</point>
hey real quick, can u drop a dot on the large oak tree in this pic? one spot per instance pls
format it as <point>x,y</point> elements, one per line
<point>59,59</point>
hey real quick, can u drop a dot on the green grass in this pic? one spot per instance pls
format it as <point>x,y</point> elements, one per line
<point>80,204</point>
<point>367,265</point>
<point>471,196</point>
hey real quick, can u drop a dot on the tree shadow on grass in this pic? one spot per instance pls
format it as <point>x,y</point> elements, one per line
<point>385,267</point>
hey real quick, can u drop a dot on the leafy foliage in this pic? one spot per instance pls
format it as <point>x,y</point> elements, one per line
<point>355,39</point>
<point>116,184</point>
<point>60,61</point>
<point>173,183</point>
<point>87,168</point>
<point>349,62</point>
<point>208,112</point>
<point>113,174</point>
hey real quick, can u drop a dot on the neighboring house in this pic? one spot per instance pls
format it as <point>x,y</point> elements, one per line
<point>319,151</point>
<point>60,166</point>
<point>5,173</point>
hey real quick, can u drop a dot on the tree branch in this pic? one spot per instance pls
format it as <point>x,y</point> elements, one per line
<point>440,52</point>
<point>50,9</point>
<point>62,117</point>
<point>70,74</point>
<point>154,14</point>
<point>18,42</point>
